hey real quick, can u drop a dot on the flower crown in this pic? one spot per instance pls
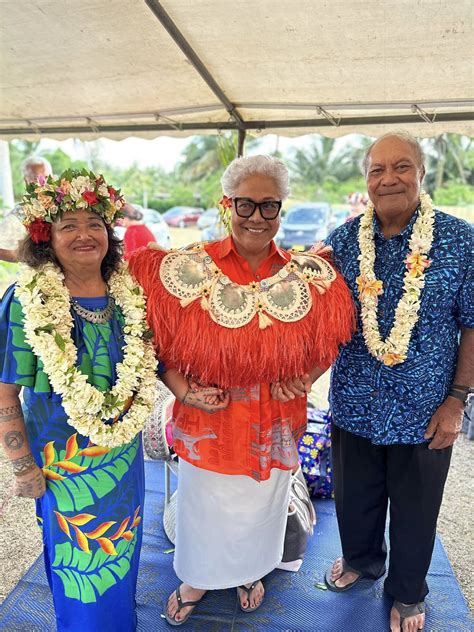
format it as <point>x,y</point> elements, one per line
<point>48,198</point>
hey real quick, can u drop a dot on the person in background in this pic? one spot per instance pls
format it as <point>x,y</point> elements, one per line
<point>399,388</point>
<point>137,235</point>
<point>358,202</point>
<point>11,228</point>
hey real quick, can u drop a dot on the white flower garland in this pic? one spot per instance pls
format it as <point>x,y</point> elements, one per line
<point>48,323</point>
<point>395,347</point>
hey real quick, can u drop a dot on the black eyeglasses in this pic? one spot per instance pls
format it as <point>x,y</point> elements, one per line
<point>245,207</point>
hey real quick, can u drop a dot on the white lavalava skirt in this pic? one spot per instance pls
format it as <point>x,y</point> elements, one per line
<point>230,530</point>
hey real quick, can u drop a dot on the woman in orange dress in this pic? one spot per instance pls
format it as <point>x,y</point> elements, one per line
<point>262,324</point>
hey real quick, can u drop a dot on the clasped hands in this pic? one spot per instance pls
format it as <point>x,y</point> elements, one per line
<point>212,398</point>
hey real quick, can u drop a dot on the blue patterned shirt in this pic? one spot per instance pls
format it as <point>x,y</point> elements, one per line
<point>395,404</point>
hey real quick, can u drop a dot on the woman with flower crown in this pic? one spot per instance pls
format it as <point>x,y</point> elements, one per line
<point>258,322</point>
<point>72,336</point>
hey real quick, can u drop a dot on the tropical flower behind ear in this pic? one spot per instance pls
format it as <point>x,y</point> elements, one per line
<point>225,204</point>
<point>40,231</point>
<point>225,201</point>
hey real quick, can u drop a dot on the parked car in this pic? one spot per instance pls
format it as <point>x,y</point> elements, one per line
<point>303,225</point>
<point>182,216</point>
<point>214,231</point>
<point>155,222</point>
<point>208,218</point>
<point>160,229</point>
<point>338,217</point>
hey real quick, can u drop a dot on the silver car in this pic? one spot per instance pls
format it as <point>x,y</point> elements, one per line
<point>154,222</point>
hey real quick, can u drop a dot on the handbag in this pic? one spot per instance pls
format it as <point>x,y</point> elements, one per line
<point>300,523</point>
<point>314,449</point>
<point>156,436</point>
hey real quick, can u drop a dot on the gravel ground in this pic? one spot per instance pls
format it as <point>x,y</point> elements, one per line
<point>20,539</point>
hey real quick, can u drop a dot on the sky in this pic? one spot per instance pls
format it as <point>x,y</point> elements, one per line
<point>161,152</point>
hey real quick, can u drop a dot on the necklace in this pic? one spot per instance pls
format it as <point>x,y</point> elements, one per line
<point>394,349</point>
<point>97,317</point>
<point>48,323</point>
<point>286,296</point>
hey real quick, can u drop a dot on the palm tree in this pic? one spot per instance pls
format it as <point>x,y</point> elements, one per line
<point>449,157</point>
<point>323,161</point>
<point>206,155</point>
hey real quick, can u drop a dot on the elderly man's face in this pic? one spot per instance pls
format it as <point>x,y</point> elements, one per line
<point>34,171</point>
<point>394,177</point>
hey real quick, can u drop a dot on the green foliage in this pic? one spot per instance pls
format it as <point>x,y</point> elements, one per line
<point>449,158</point>
<point>327,169</point>
<point>103,473</point>
<point>84,575</point>
<point>331,191</point>
<point>96,362</point>
<point>454,194</point>
<point>323,162</point>
<point>19,151</point>
<point>60,161</point>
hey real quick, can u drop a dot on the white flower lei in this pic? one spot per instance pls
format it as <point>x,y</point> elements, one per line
<point>48,323</point>
<point>395,347</point>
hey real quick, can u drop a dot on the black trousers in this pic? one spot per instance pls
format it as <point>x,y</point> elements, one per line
<point>412,478</point>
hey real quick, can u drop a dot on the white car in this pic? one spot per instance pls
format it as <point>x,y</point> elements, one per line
<point>160,229</point>
<point>208,218</point>
<point>154,222</point>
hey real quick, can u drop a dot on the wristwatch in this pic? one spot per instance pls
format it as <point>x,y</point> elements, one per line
<point>461,392</point>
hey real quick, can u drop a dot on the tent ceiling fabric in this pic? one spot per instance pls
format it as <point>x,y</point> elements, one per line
<point>111,68</point>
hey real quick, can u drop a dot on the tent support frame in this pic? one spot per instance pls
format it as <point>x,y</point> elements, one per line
<point>206,126</point>
<point>167,23</point>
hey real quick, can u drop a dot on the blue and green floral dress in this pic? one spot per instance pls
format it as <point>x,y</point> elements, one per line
<point>91,512</point>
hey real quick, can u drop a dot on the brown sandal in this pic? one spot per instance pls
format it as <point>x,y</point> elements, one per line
<point>411,610</point>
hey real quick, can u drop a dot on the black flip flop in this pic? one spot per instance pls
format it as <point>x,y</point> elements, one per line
<point>345,569</point>
<point>249,591</point>
<point>181,604</point>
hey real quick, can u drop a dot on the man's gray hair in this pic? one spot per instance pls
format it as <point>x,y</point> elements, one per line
<point>34,161</point>
<point>402,135</point>
<point>242,168</point>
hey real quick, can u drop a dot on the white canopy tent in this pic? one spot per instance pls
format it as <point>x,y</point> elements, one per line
<point>119,68</point>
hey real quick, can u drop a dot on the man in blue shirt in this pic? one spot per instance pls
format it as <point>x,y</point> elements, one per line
<point>399,387</point>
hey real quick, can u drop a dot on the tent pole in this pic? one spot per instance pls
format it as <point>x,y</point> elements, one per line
<point>241,142</point>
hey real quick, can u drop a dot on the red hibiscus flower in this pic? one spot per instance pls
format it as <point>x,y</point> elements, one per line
<point>226,202</point>
<point>90,197</point>
<point>40,231</point>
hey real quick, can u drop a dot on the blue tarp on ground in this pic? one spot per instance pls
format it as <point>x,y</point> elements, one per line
<point>292,603</point>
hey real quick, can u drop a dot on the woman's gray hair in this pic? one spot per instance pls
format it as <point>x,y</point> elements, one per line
<point>401,135</point>
<point>242,168</point>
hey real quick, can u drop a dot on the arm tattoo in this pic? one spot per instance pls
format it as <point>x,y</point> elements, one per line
<point>10,413</point>
<point>29,488</point>
<point>14,439</point>
<point>23,465</point>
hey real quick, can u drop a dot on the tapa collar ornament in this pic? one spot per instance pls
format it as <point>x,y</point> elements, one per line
<point>109,418</point>
<point>192,274</point>
<point>48,198</point>
<point>394,349</point>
